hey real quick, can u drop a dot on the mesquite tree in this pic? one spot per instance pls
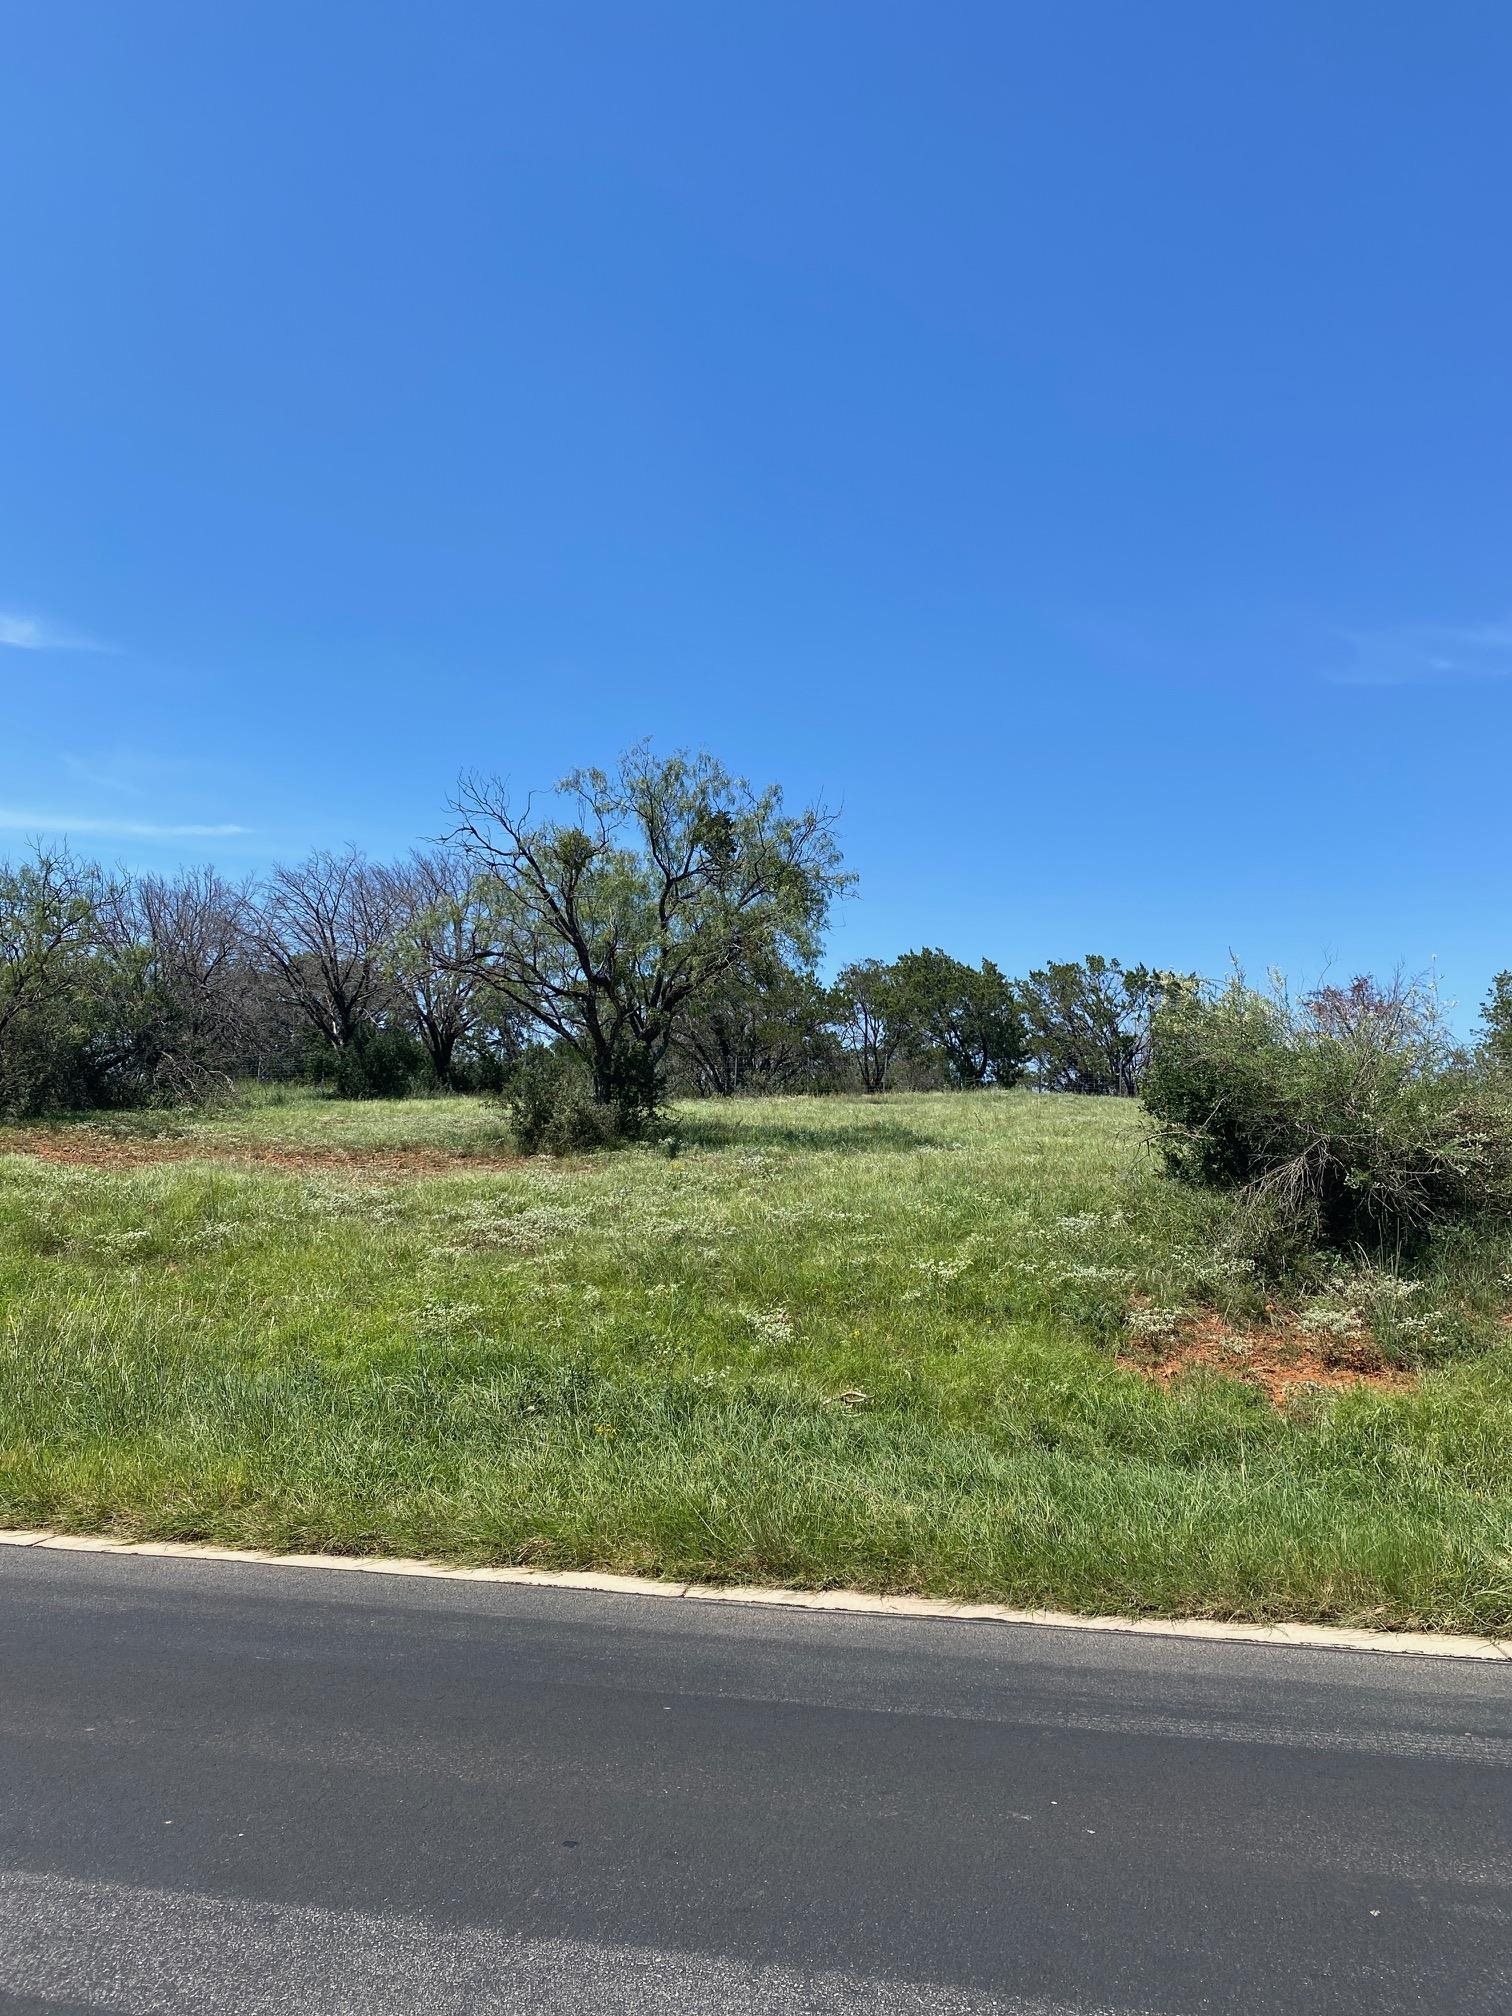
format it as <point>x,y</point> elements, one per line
<point>436,953</point>
<point>326,928</point>
<point>605,922</point>
<point>871,1016</point>
<point>182,988</point>
<point>49,913</point>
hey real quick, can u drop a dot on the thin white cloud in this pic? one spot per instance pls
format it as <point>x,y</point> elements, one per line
<point>16,819</point>
<point>124,772</point>
<point>35,633</point>
<point>1427,654</point>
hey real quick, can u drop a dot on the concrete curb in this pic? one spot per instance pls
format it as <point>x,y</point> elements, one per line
<point>1320,1637</point>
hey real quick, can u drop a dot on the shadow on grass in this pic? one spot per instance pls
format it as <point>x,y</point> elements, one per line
<point>131,1123</point>
<point>714,1130</point>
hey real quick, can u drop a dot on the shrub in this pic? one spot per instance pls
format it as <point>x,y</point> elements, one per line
<point>45,1063</point>
<point>1348,1119</point>
<point>552,1109</point>
<point>380,1064</point>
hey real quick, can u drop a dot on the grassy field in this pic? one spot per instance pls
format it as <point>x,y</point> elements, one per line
<point>876,1343</point>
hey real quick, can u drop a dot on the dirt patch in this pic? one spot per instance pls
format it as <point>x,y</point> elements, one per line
<point>1279,1357</point>
<point>89,1150</point>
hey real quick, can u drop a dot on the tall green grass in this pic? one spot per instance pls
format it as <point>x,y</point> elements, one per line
<point>832,1341</point>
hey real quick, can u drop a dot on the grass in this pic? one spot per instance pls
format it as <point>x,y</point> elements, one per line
<point>831,1342</point>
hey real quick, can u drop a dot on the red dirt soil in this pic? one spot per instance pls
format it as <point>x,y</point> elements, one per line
<point>1279,1358</point>
<point>81,1150</point>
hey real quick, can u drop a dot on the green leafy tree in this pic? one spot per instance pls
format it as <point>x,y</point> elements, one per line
<point>607,923</point>
<point>1496,1024</point>
<point>1088,1022</point>
<point>762,1027</point>
<point>51,910</point>
<point>870,1011</point>
<point>967,1016</point>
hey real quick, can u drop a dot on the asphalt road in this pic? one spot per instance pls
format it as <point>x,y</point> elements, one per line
<point>258,1789</point>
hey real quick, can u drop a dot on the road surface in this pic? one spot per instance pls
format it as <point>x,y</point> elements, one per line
<point>247,1789</point>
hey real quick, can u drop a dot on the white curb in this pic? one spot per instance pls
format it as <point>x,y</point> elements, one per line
<point>1324,1637</point>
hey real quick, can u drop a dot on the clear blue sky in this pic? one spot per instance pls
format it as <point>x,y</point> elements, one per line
<point>1073,437</point>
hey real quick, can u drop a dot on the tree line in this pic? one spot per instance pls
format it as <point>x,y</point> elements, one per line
<point>653,930</point>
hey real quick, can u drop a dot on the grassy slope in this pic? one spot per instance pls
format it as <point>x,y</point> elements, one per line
<point>642,1362</point>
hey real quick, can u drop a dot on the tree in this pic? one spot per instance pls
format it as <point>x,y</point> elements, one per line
<point>871,1014</point>
<point>50,931</point>
<point>606,925</point>
<point>49,913</point>
<point>326,927</point>
<point>763,1026</point>
<point>967,1016</point>
<point>182,990</point>
<point>1088,1022</point>
<point>437,949</point>
<point>117,992</point>
<point>1496,1024</point>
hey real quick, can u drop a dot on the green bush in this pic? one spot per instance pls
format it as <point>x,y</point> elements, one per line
<point>380,1064</point>
<point>633,1087</point>
<point>552,1109</point>
<point>45,1063</point>
<point>1348,1118</point>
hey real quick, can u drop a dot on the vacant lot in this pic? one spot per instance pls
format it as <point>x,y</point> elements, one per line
<point>974,1345</point>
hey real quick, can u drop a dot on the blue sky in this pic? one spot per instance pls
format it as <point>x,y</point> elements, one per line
<point>1075,439</point>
